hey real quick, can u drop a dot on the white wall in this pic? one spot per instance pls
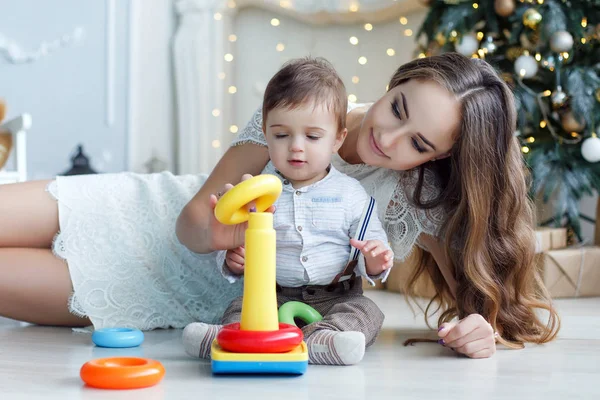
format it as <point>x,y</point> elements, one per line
<point>256,57</point>
<point>151,119</point>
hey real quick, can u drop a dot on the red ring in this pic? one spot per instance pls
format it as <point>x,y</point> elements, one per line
<point>122,372</point>
<point>232,338</point>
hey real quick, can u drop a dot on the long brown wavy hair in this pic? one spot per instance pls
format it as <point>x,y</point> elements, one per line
<point>489,226</point>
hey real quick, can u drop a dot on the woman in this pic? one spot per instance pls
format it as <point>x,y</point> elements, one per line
<point>437,150</point>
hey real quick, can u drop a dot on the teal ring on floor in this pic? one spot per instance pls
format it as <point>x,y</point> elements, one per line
<point>117,337</point>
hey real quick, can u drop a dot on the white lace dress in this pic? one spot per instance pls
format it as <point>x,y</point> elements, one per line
<point>128,269</point>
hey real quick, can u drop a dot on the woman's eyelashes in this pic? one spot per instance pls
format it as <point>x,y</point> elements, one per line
<point>396,109</point>
<point>417,146</point>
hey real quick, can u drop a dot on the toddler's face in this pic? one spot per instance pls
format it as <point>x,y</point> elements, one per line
<point>301,141</point>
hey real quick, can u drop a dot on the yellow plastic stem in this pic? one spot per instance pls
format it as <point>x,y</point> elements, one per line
<point>259,306</point>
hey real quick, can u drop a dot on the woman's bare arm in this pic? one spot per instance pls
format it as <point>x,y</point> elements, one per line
<point>194,222</point>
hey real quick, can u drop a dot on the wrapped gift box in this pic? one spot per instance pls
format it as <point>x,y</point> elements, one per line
<point>573,272</point>
<point>550,239</point>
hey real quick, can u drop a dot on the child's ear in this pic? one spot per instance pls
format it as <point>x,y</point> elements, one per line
<point>339,140</point>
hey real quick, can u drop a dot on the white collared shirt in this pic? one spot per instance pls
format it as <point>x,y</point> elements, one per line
<point>313,226</point>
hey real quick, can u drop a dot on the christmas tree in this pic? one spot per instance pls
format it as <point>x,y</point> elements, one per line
<point>548,51</point>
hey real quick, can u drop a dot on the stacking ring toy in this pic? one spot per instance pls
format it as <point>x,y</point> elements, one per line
<point>296,309</point>
<point>122,373</point>
<point>232,338</point>
<point>117,337</point>
<point>263,189</point>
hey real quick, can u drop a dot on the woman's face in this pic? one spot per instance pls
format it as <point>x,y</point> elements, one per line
<point>411,124</point>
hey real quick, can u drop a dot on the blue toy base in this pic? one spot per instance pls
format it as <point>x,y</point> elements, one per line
<point>294,362</point>
<point>259,367</point>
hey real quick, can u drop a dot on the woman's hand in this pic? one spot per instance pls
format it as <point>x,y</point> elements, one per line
<point>472,336</point>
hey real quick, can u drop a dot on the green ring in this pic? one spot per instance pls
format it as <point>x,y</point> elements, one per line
<point>296,309</point>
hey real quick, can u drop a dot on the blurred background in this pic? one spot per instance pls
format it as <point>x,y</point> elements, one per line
<point>152,85</point>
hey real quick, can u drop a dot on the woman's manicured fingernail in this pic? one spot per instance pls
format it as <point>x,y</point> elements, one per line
<point>253,209</point>
<point>441,328</point>
<point>442,342</point>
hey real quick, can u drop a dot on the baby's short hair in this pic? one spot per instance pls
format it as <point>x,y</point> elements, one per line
<point>304,79</point>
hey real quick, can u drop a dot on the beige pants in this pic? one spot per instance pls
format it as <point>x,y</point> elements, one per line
<point>343,307</point>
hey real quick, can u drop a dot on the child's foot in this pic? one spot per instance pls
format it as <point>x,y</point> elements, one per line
<point>327,347</point>
<point>198,338</point>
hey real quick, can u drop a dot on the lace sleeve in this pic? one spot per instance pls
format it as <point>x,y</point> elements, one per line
<point>252,133</point>
<point>403,221</point>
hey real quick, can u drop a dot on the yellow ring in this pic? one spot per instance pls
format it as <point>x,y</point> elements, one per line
<point>263,189</point>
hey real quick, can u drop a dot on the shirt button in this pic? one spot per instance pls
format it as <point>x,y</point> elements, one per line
<point>300,228</point>
<point>286,182</point>
<point>304,258</point>
<point>298,192</point>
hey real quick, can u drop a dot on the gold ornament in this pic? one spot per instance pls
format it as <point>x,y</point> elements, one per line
<point>440,38</point>
<point>514,52</point>
<point>504,8</point>
<point>570,123</point>
<point>598,95</point>
<point>532,18</point>
<point>6,139</point>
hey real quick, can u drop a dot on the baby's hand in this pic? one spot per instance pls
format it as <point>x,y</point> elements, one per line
<point>235,260</point>
<point>378,258</point>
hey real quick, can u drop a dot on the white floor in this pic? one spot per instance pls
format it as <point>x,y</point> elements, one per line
<point>43,363</point>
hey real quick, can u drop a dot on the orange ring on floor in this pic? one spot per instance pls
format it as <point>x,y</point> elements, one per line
<point>122,372</point>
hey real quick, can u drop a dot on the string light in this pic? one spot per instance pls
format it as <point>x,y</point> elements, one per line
<point>355,79</point>
<point>454,34</point>
<point>232,38</point>
<point>368,27</point>
<point>353,7</point>
<point>353,40</point>
<point>475,6</point>
<point>584,22</point>
<point>547,93</point>
<point>565,55</point>
<point>403,20</point>
<point>228,57</point>
<point>285,4</point>
<point>232,89</point>
<point>275,22</point>
<point>583,40</point>
<point>280,47</point>
<point>542,124</point>
<point>408,32</point>
<point>479,35</point>
<point>522,72</point>
<point>218,16</point>
<point>216,144</point>
<point>391,52</point>
<point>231,4</point>
<point>422,55</point>
<point>233,129</point>
<point>387,87</point>
<point>525,149</point>
<point>531,139</point>
<point>574,134</point>
<point>352,98</point>
<point>222,75</point>
<point>362,60</point>
<point>538,57</point>
<point>216,112</point>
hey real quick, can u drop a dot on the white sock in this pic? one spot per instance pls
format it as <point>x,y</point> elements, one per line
<point>198,337</point>
<point>327,347</point>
